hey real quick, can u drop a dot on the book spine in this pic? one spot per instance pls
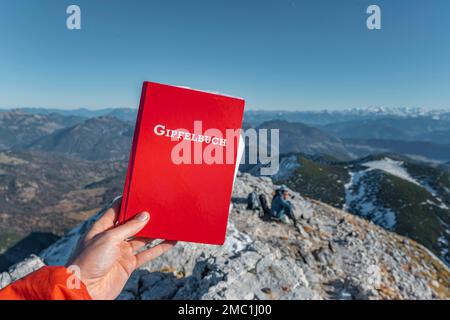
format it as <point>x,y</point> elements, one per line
<point>123,208</point>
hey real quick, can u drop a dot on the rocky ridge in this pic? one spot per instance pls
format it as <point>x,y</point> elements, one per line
<point>330,254</point>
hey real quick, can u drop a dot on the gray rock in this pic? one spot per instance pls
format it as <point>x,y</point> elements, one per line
<point>20,270</point>
<point>157,286</point>
<point>5,279</point>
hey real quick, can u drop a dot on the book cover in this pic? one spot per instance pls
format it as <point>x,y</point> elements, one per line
<point>183,162</point>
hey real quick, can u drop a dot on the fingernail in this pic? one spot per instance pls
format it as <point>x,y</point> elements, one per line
<point>143,216</point>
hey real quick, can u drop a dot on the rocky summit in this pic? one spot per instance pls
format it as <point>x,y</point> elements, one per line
<point>329,254</point>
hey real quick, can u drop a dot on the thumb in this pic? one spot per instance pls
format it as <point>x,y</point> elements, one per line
<point>131,227</point>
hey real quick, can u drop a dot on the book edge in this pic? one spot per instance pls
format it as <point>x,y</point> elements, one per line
<point>123,208</point>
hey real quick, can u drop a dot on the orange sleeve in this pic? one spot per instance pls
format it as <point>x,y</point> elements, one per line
<point>47,283</point>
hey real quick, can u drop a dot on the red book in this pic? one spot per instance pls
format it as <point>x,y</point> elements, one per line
<point>183,162</point>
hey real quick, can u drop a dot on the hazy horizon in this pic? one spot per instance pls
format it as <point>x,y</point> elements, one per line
<point>369,108</point>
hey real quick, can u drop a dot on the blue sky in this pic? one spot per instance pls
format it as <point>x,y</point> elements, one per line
<point>278,54</point>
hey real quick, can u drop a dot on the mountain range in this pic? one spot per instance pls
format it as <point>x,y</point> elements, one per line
<point>425,150</point>
<point>297,137</point>
<point>406,130</point>
<point>21,128</point>
<point>101,138</point>
<point>126,114</point>
<point>410,129</point>
<point>256,117</point>
<point>324,117</point>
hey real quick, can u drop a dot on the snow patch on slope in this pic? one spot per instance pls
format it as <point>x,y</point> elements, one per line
<point>360,199</point>
<point>396,168</point>
<point>435,194</point>
<point>287,167</point>
<point>392,167</point>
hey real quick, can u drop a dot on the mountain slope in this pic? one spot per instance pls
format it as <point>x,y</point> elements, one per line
<point>324,117</point>
<point>124,114</point>
<point>445,166</point>
<point>103,138</point>
<point>297,137</point>
<point>410,198</point>
<point>389,128</point>
<point>43,194</point>
<point>400,202</point>
<point>439,136</point>
<point>37,189</point>
<point>18,128</point>
<point>414,149</point>
<point>331,255</point>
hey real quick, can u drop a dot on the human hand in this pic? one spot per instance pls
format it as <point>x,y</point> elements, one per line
<point>107,256</point>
